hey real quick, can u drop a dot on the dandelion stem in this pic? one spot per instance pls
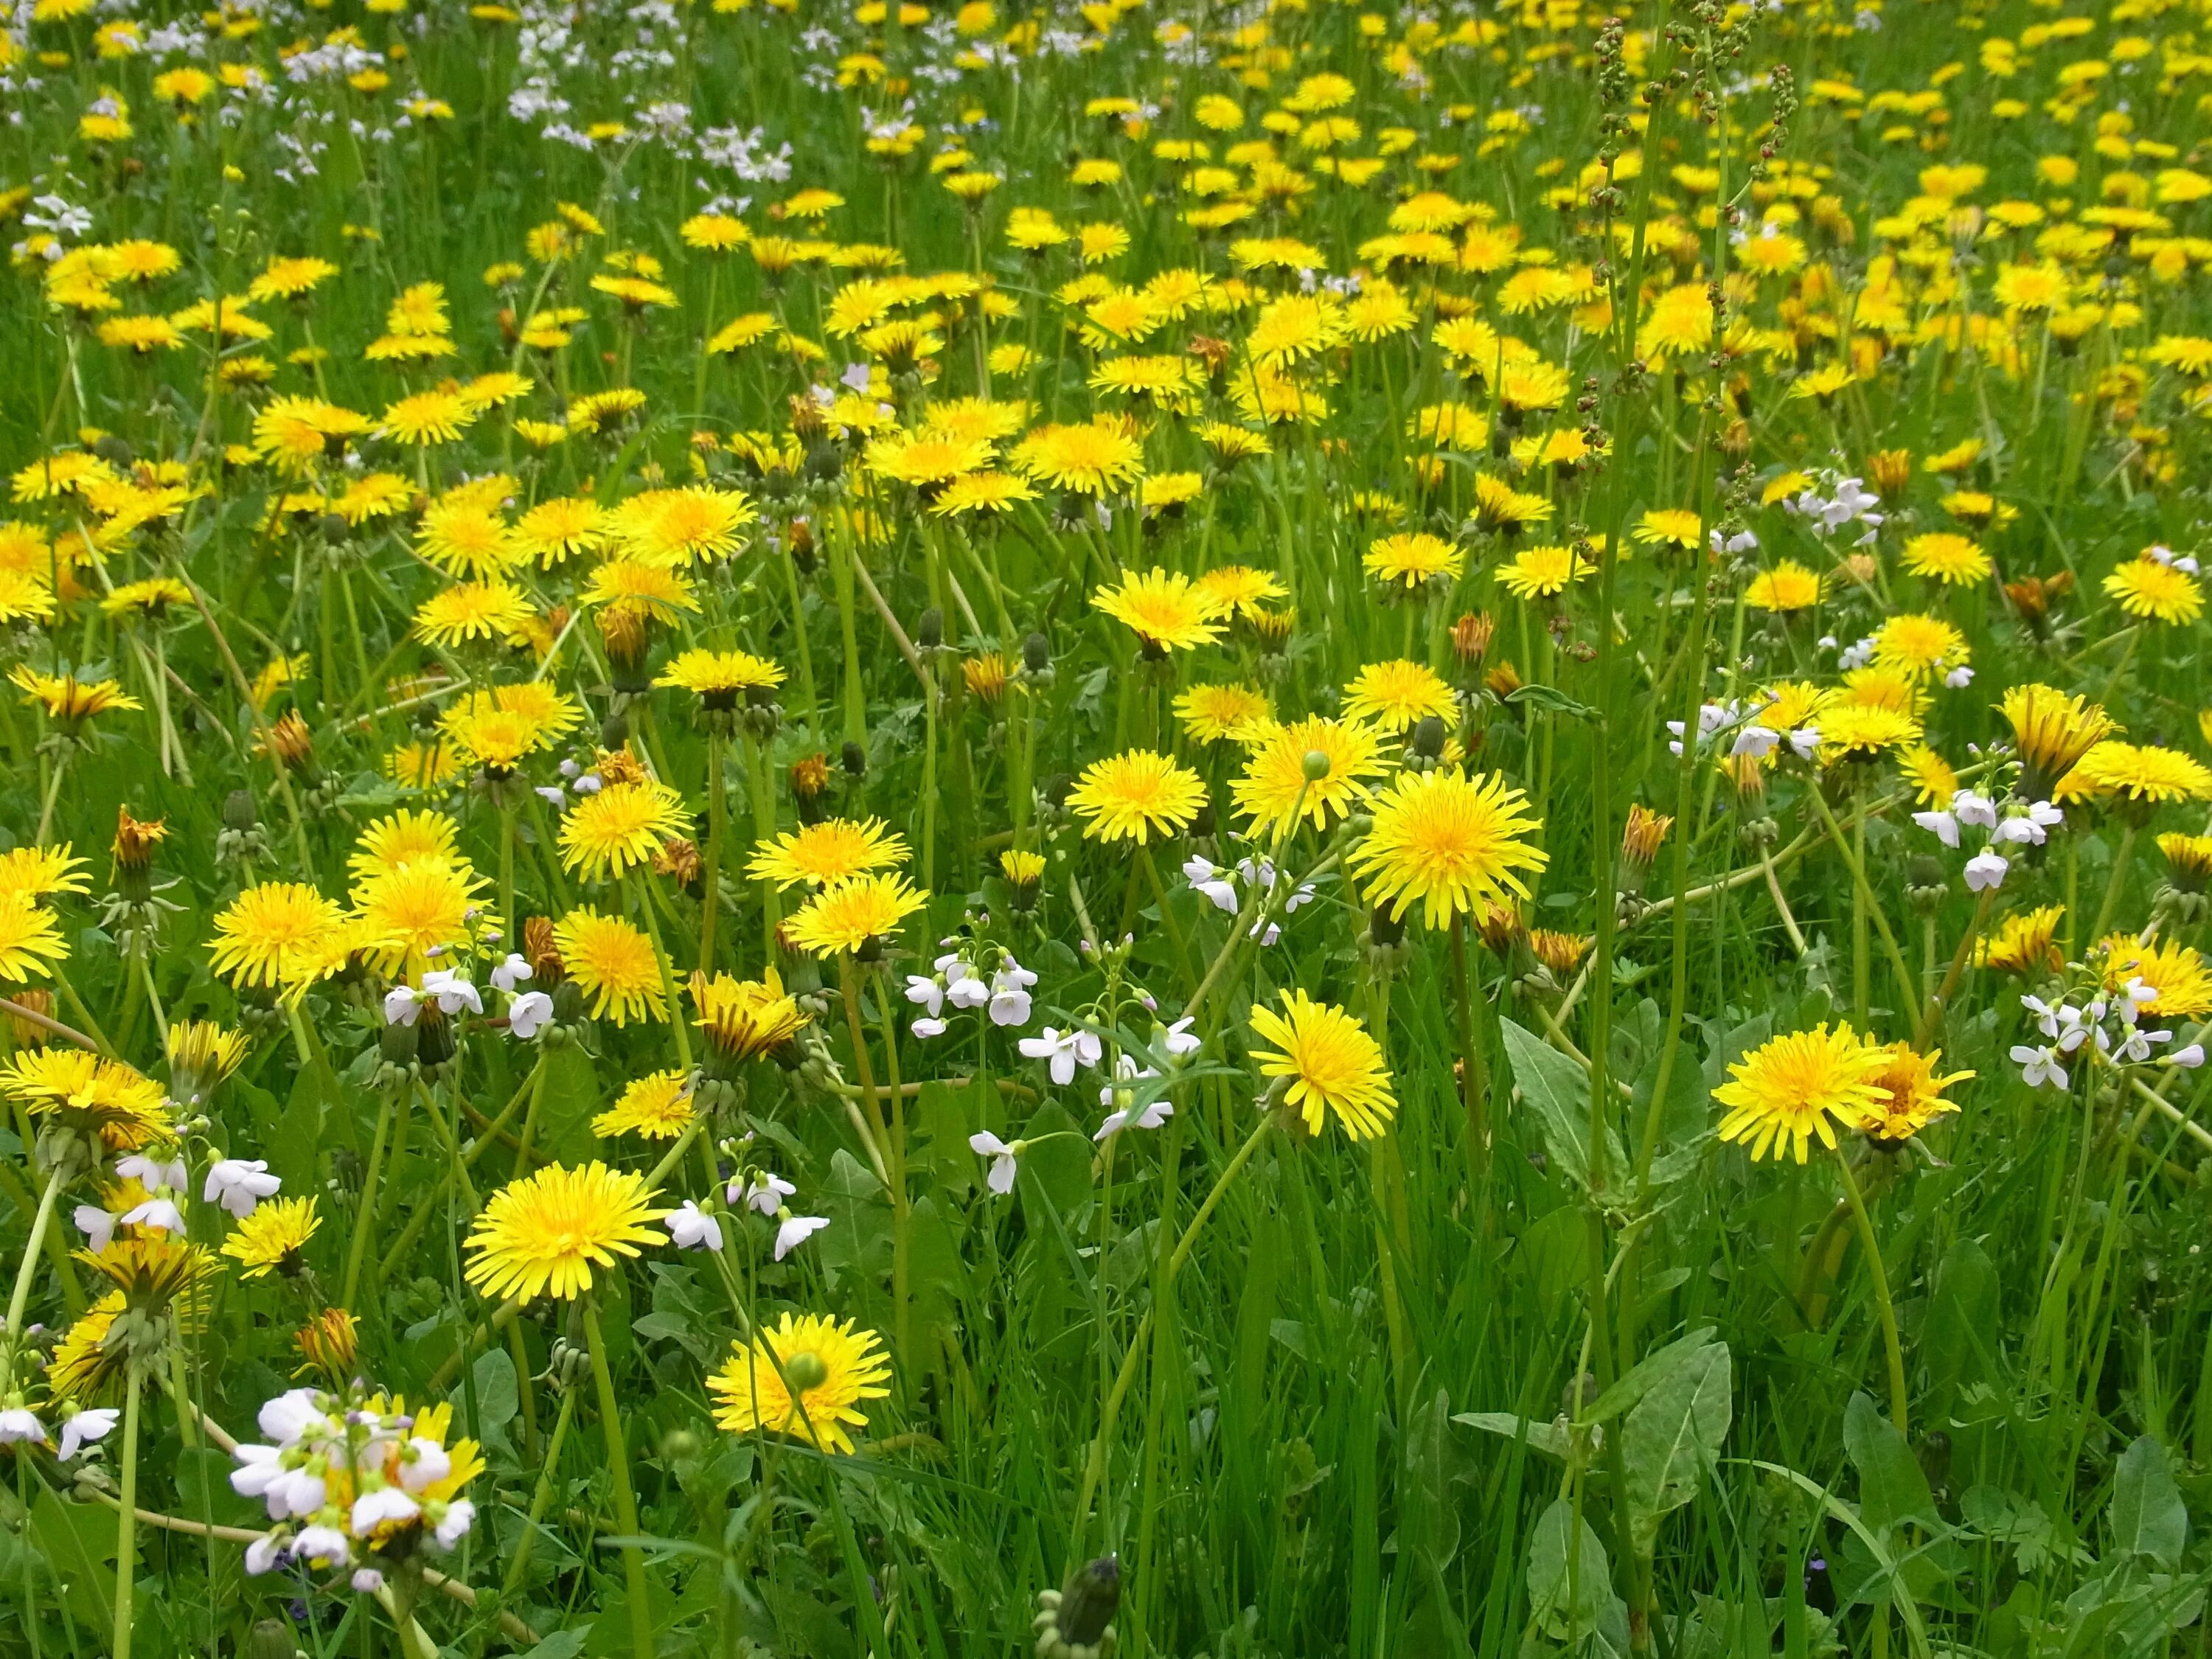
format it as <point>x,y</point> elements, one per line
<point>641,1611</point>
<point>1883,1305</point>
<point>126,1522</point>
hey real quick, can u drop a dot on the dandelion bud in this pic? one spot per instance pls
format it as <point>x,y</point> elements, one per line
<point>1077,1623</point>
<point>855,759</point>
<point>1642,834</point>
<point>1429,737</point>
<point>270,1639</point>
<point>239,812</point>
<point>1385,931</point>
<point>291,743</point>
<point>804,1372</point>
<point>135,840</point>
<point>1036,654</point>
<point>399,1044</point>
<point>1892,469</point>
<point>680,1443</point>
<point>929,632</point>
<point>1315,765</point>
<point>333,529</point>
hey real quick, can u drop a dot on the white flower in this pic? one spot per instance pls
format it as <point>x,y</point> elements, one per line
<point>263,1555</point>
<point>288,1417</point>
<point>1978,810</point>
<point>240,1183</point>
<point>1065,1050</point>
<point>373,1509</point>
<point>1804,740</point>
<point>528,1012</point>
<point>2189,1058</point>
<point>1000,1179</point>
<point>156,1213</point>
<point>401,1004</point>
<point>85,1428</point>
<point>512,972</point>
<point>19,1423</point>
<point>423,1464</point>
<point>1150,1117</point>
<point>1985,871</point>
<point>764,1191</point>
<point>324,1545</point>
<point>1757,740</point>
<point>97,1225</point>
<point>2039,1066</point>
<point>152,1174</point>
<point>1941,825</point>
<point>926,1027</point>
<point>796,1230</point>
<point>1010,994</point>
<point>927,990</point>
<point>453,1526</point>
<point>962,987</point>
<point>692,1229</point>
<point>453,993</point>
<point>366,1581</point>
<point>1210,881</point>
<point>1178,1039</point>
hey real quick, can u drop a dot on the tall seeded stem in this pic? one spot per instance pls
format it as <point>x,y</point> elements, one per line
<point>641,1612</point>
<point>126,1519</point>
<point>1883,1304</point>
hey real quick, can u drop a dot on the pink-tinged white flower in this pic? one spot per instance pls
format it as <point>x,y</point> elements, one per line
<point>2039,1066</point>
<point>763,1191</point>
<point>1986,872</point>
<point>1010,993</point>
<point>157,1213</point>
<point>692,1228</point>
<point>1000,1176</point>
<point>1210,881</point>
<point>451,992</point>
<point>401,1003</point>
<point>454,1525</point>
<point>2189,1058</point>
<point>1755,740</point>
<point>387,1504</point>
<point>795,1231</point>
<point>527,1014</point>
<point>97,1225</point>
<point>1064,1051</point>
<point>239,1184</point>
<point>85,1427</point>
<point>423,1464</point>
<point>323,1545</point>
<point>1978,810</point>
<point>512,972</point>
<point>19,1423</point>
<point>263,1555</point>
<point>366,1581</point>
<point>155,1174</point>
<point>1941,825</point>
<point>1179,1039</point>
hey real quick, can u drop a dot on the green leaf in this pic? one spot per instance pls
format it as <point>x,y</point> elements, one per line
<point>498,1395</point>
<point>1568,1596</point>
<point>1549,1438</point>
<point>1648,1374</point>
<point>2148,1517</point>
<point>1558,1091</point>
<point>1893,1486</point>
<point>78,1541</point>
<point>1673,1435</point>
<point>1548,699</point>
<point>1427,1517</point>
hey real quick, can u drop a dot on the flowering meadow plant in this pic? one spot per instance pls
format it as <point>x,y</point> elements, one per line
<point>930,827</point>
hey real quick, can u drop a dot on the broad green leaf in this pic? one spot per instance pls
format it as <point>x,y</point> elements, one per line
<point>1546,1438</point>
<point>1558,1091</point>
<point>1893,1486</point>
<point>1570,1587</point>
<point>1647,1374</point>
<point>1427,1517</point>
<point>78,1541</point>
<point>2148,1517</point>
<point>1673,1435</point>
<point>498,1395</point>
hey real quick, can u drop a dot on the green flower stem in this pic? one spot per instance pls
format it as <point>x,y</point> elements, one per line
<point>364,1220</point>
<point>1865,892</point>
<point>763,776</point>
<point>126,1520</point>
<point>2113,884</point>
<point>20,1301</point>
<point>1883,1304</point>
<point>1094,1469</point>
<point>1474,1076</point>
<point>710,893</point>
<point>540,1496</point>
<point>641,1611</point>
<point>676,1022</point>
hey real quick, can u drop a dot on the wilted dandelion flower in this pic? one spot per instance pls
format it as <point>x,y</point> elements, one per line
<point>745,1019</point>
<point>1908,1093</point>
